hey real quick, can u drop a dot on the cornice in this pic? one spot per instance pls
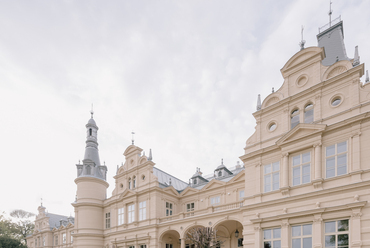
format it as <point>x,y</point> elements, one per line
<point>91,179</point>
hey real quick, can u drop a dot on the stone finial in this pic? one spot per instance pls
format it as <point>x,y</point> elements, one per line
<point>367,80</point>
<point>356,60</point>
<point>150,155</point>
<point>259,105</point>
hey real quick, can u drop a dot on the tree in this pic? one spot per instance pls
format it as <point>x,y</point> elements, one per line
<point>203,237</point>
<point>23,225</point>
<point>8,242</point>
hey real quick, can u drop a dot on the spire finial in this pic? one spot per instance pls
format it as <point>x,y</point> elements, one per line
<point>41,202</point>
<point>92,111</point>
<point>330,13</point>
<point>222,161</point>
<point>356,59</point>
<point>301,44</point>
<point>150,155</point>
<point>117,169</point>
<point>259,105</point>
<point>273,90</point>
<point>132,140</point>
<point>367,80</point>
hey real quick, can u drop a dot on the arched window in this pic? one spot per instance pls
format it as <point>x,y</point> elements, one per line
<point>88,170</point>
<point>134,182</point>
<point>129,183</point>
<point>90,131</point>
<point>308,113</point>
<point>294,118</point>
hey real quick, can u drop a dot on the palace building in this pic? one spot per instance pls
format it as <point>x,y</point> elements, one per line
<point>304,179</point>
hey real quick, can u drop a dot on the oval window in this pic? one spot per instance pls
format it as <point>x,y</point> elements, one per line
<point>336,101</point>
<point>272,126</point>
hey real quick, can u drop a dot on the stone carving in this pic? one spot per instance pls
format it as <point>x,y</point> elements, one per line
<point>272,100</point>
<point>336,71</point>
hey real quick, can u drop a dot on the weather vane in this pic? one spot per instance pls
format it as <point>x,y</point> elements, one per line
<point>301,44</point>
<point>92,110</point>
<point>133,140</point>
<point>330,13</point>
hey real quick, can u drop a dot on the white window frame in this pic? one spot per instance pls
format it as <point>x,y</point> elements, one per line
<point>302,235</point>
<point>121,216</point>
<point>241,194</point>
<point>298,166</point>
<point>274,239</point>
<point>295,114</point>
<point>142,210</point>
<point>190,207</point>
<point>169,208</point>
<point>55,239</point>
<point>337,233</point>
<point>271,177</point>
<point>215,200</point>
<point>334,157</point>
<point>72,237</point>
<point>64,238</point>
<point>107,220</point>
<point>131,213</point>
<point>308,113</point>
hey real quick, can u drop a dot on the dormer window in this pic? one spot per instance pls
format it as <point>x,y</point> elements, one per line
<point>220,174</point>
<point>308,113</point>
<point>294,118</point>
<point>88,170</point>
<point>90,131</point>
<point>194,181</point>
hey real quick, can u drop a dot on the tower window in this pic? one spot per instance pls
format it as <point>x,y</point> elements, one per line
<point>220,173</point>
<point>90,131</point>
<point>88,170</point>
<point>308,113</point>
<point>294,118</point>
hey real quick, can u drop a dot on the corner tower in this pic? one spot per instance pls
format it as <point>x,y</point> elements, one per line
<point>91,193</point>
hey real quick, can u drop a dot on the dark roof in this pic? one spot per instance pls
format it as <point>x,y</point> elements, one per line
<point>55,220</point>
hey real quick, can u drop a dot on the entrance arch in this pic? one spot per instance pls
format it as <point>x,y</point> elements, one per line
<point>231,232</point>
<point>170,239</point>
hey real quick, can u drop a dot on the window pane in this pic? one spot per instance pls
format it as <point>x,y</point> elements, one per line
<point>268,183</point>
<point>296,243</point>
<point>342,170</point>
<point>296,160</point>
<point>342,225</point>
<point>343,239</point>
<point>330,241</point>
<point>306,173</point>
<point>275,181</point>
<point>330,150</point>
<point>267,244</point>
<point>306,157</point>
<point>330,167</point>
<point>342,147</point>
<point>308,116</point>
<point>276,166</point>
<point>294,121</point>
<point>307,229</point>
<point>267,234</point>
<point>307,242</point>
<point>296,172</point>
<point>277,233</point>
<point>342,159</point>
<point>277,244</point>
<point>330,227</point>
<point>296,231</point>
<point>267,169</point>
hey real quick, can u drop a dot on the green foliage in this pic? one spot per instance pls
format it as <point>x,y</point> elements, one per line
<point>8,242</point>
<point>14,231</point>
<point>23,225</point>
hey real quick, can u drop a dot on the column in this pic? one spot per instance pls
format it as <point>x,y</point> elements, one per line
<point>355,152</point>
<point>258,178</point>
<point>257,237</point>
<point>182,243</point>
<point>318,167</point>
<point>355,227</point>
<point>285,171</point>
<point>285,233</point>
<point>317,232</point>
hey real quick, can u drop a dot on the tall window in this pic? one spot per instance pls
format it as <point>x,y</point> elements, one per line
<point>308,113</point>
<point>107,220</point>
<point>43,241</point>
<point>72,237</point>
<point>131,246</point>
<point>302,236</point>
<point>134,182</point>
<point>302,169</point>
<point>129,183</point>
<point>121,216</point>
<point>336,159</point>
<point>142,210</point>
<point>337,234</point>
<point>131,213</point>
<point>271,176</point>
<point>215,200</point>
<point>36,242</point>
<point>241,194</point>
<point>272,238</point>
<point>64,238</point>
<point>190,207</point>
<point>294,118</point>
<point>168,208</point>
<point>56,240</point>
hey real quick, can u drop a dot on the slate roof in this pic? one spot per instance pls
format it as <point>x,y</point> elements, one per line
<point>164,180</point>
<point>55,219</point>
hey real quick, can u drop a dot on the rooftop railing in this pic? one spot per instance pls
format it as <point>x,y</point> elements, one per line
<point>333,22</point>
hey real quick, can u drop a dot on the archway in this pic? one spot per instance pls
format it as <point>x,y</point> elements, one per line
<point>231,232</point>
<point>170,239</point>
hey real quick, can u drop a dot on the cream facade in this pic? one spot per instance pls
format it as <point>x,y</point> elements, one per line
<point>304,181</point>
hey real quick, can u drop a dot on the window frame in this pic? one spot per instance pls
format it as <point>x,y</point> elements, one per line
<point>272,240</point>
<point>308,107</point>
<point>131,213</point>
<point>271,175</point>
<point>168,208</point>
<point>215,201</point>
<point>335,156</point>
<point>142,210</point>
<point>64,238</point>
<point>301,236</point>
<point>107,220</point>
<point>337,233</point>
<point>295,113</point>
<point>121,216</point>
<point>301,165</point>
<point>241,194</point>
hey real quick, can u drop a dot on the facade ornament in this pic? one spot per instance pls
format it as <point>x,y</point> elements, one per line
<point>284,223</point>
<point>257,215</point>
<point>259,105</point>
<point>257,228</point>
<point>367,80</point>
<point>317,204</point>
<point>284,210</point>
<point>317,220</point>
<point>356,197</point>
<point>356,215</point>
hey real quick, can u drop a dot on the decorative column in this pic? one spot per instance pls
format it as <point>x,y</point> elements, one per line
<point>355,227</point>
<point>317,231</point>
<point>284,188</point>
<point>355,152</point>
<point>182,243</point>
<point>257,236</point>
<point>317,181</point>
<point>285,233</point>
<point>258,178</point>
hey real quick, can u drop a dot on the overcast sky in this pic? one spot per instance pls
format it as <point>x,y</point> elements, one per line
<point>183,75</point>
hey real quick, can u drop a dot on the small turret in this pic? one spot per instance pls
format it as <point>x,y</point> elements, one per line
<point>356,60</point>
<point>259,105</point>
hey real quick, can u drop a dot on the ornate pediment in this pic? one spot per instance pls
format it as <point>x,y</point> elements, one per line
<point>238,177</point>
<point>127,193</point>
<point>171,190</point>
<point>189,191</point>
<point>300,131</point>
<point>213,184</point>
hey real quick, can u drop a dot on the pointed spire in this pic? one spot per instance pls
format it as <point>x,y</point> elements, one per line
<point>133,140</point>
<point>259,105</point>
<point>273,90</point>
<point>150,155</point>
<point>356,60</point>
<point>92,111</point>
<point>117,169</point>
<point>367,80</point>
<point>301,44</point>
<point>330,13</point>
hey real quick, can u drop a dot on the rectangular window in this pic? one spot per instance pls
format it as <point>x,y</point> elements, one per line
<point>131,213</point>
<point>36,242</point>
<point>56,240</point>
<point>271,174</point>
<point>142,210</point>
<point>168,209</point>
<point>71,237</point>
<point>64,238</point>
<point>169,246</point>
<point>272,238</point>
<point>190,207</point>
<point>301,168</point>
<point>302,236</point>
<point>240,242</point>
<point>121,216</point>
<point>189,246</point>
<point>107,220</point>
<point>142,246</point>
<point>336,159</point>
<point>131,246</point>
<point>337,234</point>
<point>241,194</point>
<point>215,201</point>
<point>43,241</point>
